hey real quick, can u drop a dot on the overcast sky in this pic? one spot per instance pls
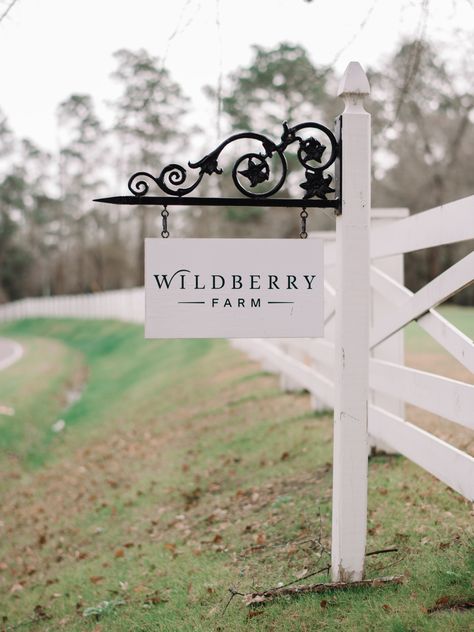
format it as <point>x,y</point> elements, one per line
<point>52,48</point>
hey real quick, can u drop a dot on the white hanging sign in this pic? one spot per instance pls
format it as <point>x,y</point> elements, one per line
<point>234,288</point>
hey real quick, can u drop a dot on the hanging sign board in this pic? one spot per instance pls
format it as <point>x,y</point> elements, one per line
<point>234,288</point>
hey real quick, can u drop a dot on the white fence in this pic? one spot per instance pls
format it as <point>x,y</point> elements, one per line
<point>126,305</point>
<point>309,364</point>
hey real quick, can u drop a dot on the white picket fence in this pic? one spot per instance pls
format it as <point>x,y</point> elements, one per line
<point>126,305</point>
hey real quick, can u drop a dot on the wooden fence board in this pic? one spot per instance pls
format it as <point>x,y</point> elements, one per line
<point>445,333</point>
<point>440,289</point>
<point>444,224</point>
<point>440,395</point>
<point>448,464</point>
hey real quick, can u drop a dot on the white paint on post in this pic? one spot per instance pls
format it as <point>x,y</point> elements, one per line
<point>349,520</point>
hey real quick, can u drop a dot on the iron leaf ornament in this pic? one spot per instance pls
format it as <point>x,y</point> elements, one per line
<point>317,185</point>
<point>258,175</point>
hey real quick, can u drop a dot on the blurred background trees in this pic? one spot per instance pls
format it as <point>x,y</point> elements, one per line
<point>423,140</point>
<point>148,128</point>
<point>54,239</point>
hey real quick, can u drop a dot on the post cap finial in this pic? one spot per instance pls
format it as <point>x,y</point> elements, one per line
<point>354,81</point>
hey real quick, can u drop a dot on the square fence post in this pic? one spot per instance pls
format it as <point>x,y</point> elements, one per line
<point>349,508</point>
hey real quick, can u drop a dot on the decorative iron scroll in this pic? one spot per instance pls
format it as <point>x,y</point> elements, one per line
<point>249,170</point>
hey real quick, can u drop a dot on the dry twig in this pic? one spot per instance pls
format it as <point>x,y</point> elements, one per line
<point>252,599</point>
<point>277,591</point>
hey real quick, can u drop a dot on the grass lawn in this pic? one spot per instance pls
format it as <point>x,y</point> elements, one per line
<point>181,471</point>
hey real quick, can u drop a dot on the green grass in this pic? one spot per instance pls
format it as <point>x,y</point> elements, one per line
<point>183,470</point>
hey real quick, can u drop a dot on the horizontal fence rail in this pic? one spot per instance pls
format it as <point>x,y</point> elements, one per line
<point>442,460</point>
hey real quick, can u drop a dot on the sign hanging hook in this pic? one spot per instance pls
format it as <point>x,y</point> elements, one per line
<point>304,217</point>
<point>164,222</point>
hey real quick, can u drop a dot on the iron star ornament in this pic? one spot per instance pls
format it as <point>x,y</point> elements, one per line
<point>256,173</point>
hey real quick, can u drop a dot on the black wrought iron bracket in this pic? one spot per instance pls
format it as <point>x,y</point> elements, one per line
<point>251,170</point>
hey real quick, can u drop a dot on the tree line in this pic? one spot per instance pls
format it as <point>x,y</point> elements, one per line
<point>55,240</point>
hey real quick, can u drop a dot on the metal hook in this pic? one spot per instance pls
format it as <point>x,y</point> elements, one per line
<point>164,222</point>
<point>304,217</point>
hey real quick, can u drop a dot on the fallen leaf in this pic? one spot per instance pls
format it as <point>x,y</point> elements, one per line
<point>386,607</point>
<point>16,588</point>
<point>301,574</point>
<point>169,546</point>
<point>217,538</point>
<point>323,603</point>
<point>119,553</point>
<point>192,498</point>
<point>285,456</point>
<point>291,549</point>
<point>442,601</point>
<point>40,612</point>
<point>154,598</point>
<point>260,538</point>
<point>255,613</point>
<point>95,579</point>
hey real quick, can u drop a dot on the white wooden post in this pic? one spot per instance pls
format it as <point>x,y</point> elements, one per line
<point>349,519</point>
